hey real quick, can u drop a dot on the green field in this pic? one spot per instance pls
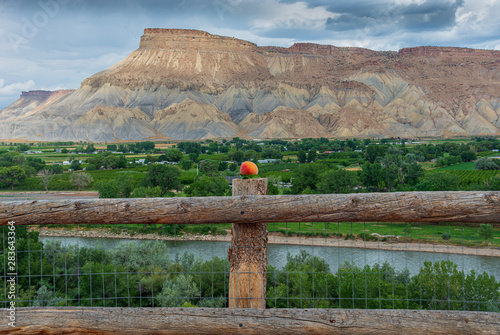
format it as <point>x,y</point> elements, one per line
<point>458,167</point>
<point>468,177</point>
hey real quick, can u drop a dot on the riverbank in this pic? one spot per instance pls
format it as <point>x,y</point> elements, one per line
<point>278,238</point>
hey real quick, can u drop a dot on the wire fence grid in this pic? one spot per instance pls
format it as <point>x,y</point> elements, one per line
<point>310,265</point>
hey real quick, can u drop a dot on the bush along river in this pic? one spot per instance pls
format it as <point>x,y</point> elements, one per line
<point>106,272</point>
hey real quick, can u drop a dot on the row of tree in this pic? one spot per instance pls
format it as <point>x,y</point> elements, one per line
<point>149,274</point>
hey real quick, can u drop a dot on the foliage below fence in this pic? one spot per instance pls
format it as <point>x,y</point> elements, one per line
<point>149,274</point>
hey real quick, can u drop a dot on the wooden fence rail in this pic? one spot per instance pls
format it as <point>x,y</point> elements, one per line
<point>482,207</point>
<point>162,321</point>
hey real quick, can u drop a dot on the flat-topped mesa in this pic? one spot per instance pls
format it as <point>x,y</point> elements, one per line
<point>184,39</point>
<point>44,93</point>
<point>36,93</point>
<point>430,51</point>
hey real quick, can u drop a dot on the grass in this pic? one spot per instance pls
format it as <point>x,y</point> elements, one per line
<point>460,234</point>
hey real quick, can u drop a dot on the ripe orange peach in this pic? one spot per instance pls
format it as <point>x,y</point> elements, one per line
<point>248,168</point>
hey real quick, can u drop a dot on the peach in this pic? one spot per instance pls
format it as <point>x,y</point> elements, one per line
<point>248,168</point>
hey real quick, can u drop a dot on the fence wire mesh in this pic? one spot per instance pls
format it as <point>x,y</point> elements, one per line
<point>310,265</point>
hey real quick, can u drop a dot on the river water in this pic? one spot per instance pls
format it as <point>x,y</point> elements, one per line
<point>334,256</point>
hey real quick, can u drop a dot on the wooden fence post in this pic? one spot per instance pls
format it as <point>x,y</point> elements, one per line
<point>248,253</point>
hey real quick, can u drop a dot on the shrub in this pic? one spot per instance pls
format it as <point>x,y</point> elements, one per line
<point>146,192</point>
<point>485,163</point>
<point>446,236</point>
<point>486,231</point>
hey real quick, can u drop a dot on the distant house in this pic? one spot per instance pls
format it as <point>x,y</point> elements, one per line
<point>66,163</point>
<point>141,161</point>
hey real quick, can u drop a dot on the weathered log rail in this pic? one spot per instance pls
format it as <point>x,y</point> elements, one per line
<point>162,321</point>
<point>479,207</point>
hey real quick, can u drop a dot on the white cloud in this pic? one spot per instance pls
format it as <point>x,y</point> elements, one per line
<point>298,15</point>
<point>15,88</point>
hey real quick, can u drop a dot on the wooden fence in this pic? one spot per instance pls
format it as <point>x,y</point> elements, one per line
<point>249,212</point>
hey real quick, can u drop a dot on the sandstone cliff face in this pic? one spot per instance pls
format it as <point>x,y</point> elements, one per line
<point>188,84</point>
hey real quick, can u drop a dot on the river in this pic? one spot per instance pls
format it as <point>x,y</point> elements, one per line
<point>334,256</point>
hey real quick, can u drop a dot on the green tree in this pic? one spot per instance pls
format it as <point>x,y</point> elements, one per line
<point>46,176</point>
<point>193,156</point>
<point>120,187</point>
<point>45,297</point>
<point>80,179</point>
<point>111,147</point>
<point>23,147</point>
<point>110,161</point>
<point>75,165</point>
<point>90,148</point>
<point>373,151</point>
<point>338,181</point>
<point>238,156</point>
<point>272,151</point>
<point>486,231</point>
<point>407,231</point>
<point>439,285</point>
<point>301,156</point>
<point>12,176</point>
<point>306,177</point>
<point>468,156</point>
<point>165,176</point>
<point>209,168</point>
<point>186,164</point>
<point>223,166</point>
<point>177,291</point>
<point>208,186</point>
<point>400,170</point>
<point>272,181</point>
<point>56,168</point>
<point>485,163</point>
<point>251,155</point>
<point>311,156</point>
<point>373,177</point>
<point>172,155</point>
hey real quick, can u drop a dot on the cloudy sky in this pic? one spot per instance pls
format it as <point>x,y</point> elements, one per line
<point>54,44</point>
